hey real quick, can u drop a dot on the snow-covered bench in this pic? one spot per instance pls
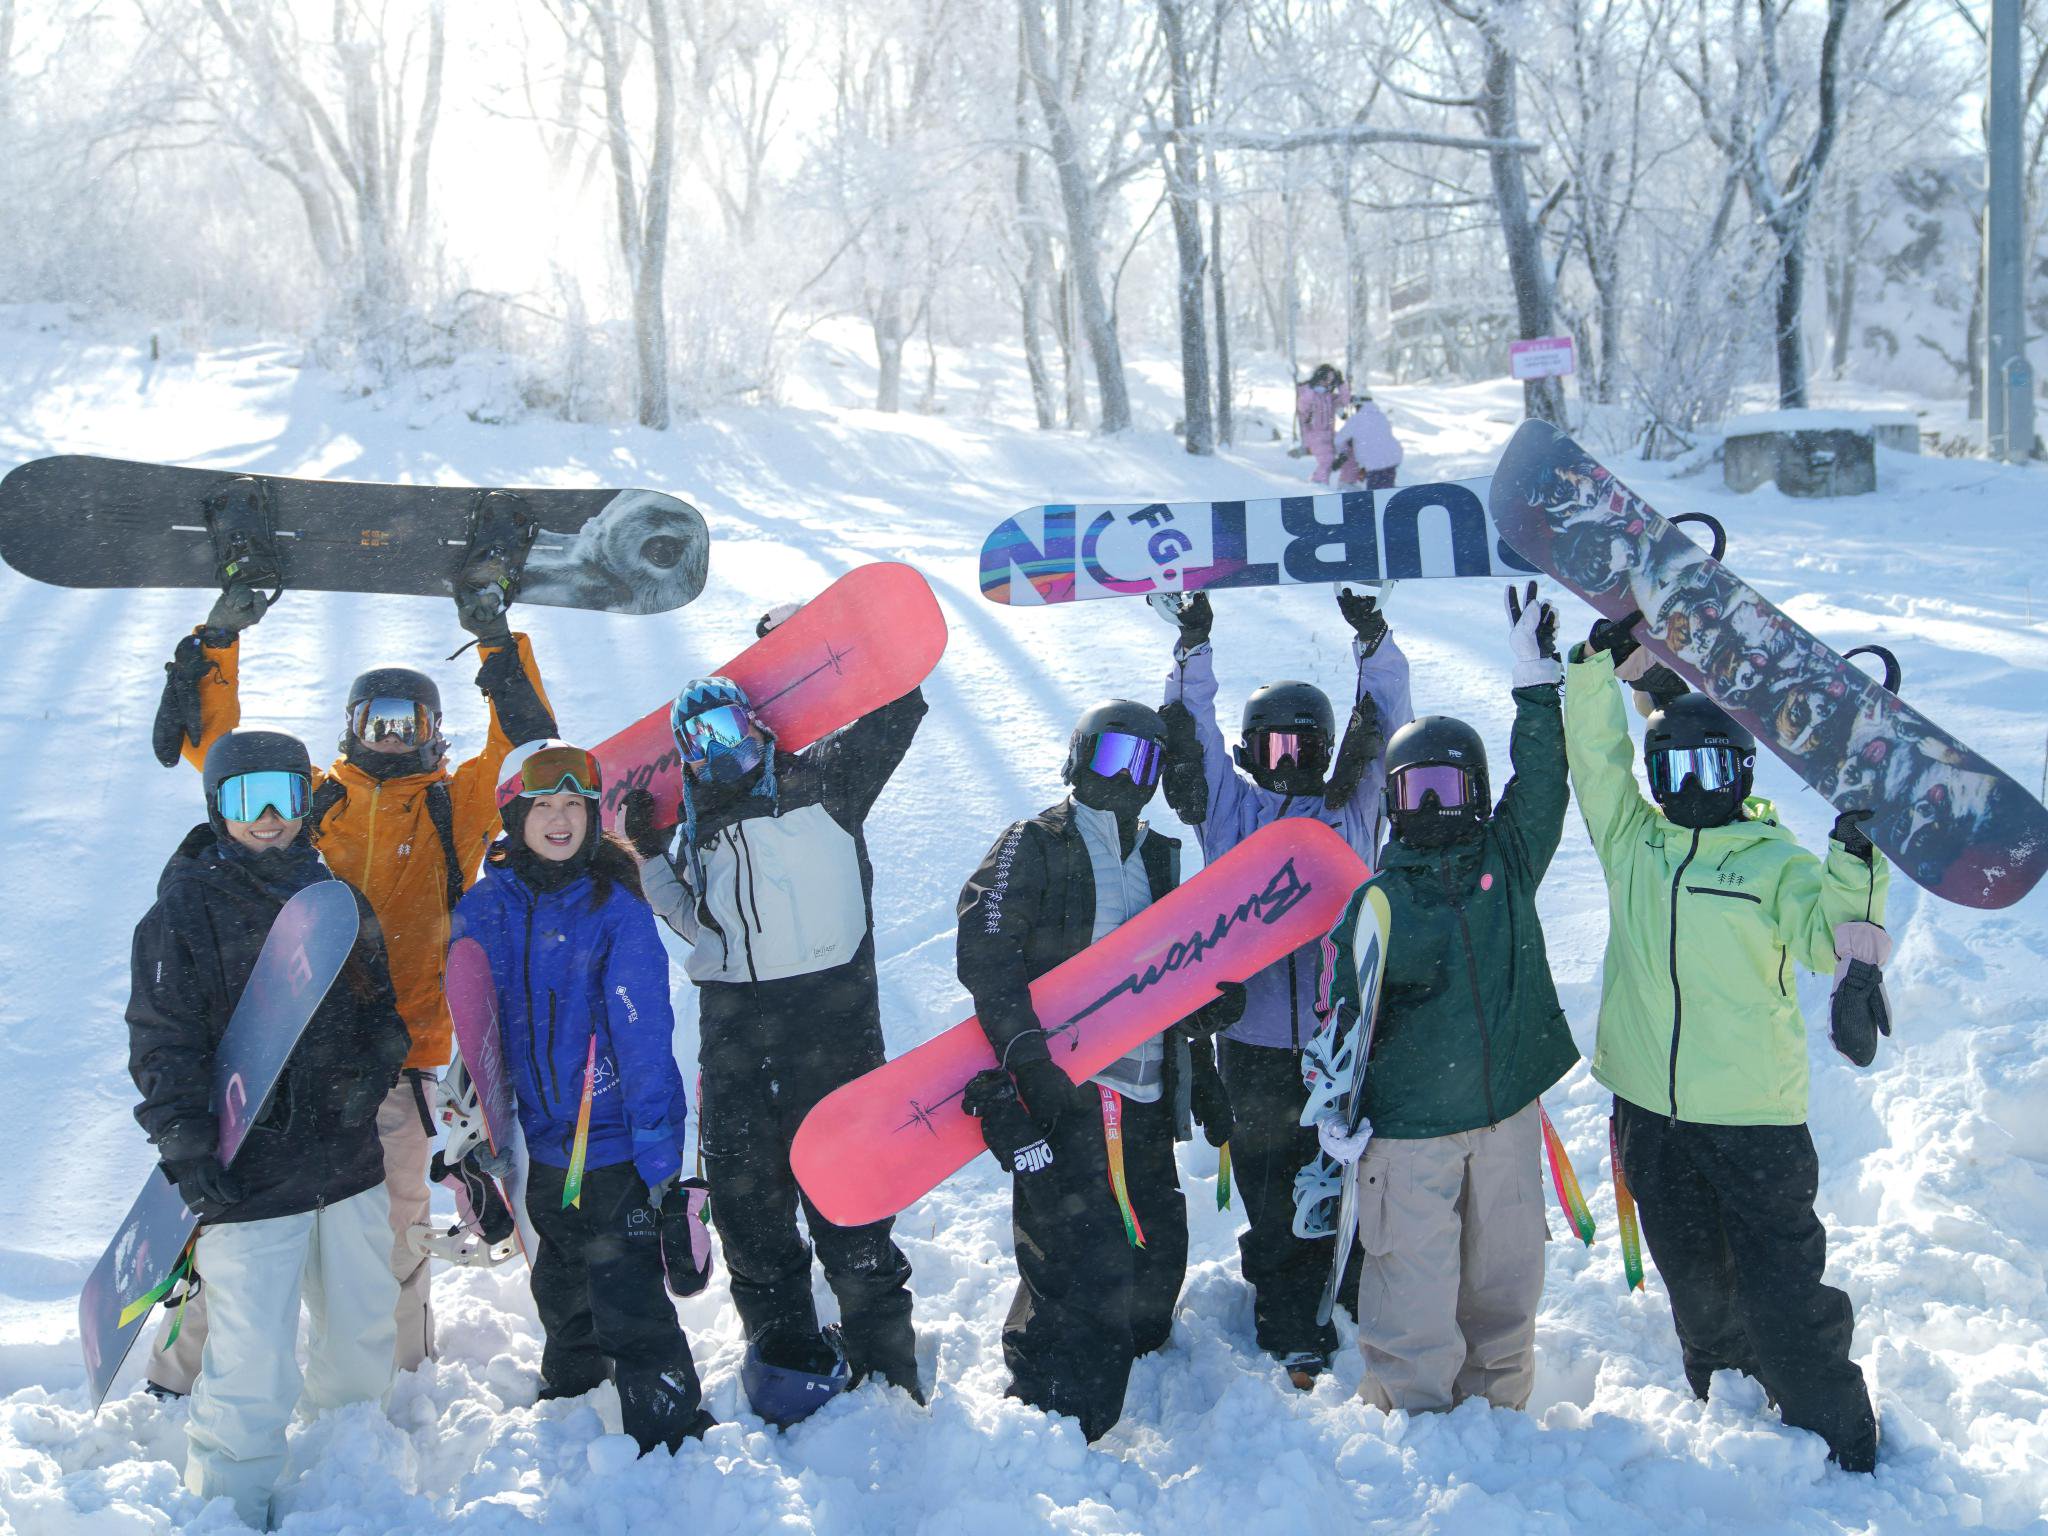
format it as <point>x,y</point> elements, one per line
<point>1814,453</point>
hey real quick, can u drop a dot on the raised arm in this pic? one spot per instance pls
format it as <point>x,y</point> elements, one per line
<point>1191,680</point>
<point>1602,755</point>
<point>1531,808</point>
<point>1815,896</point>
<point>509,680</point>
<point>860,760</point>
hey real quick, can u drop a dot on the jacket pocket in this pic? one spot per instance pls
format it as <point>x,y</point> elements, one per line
<point>1377,1232</point>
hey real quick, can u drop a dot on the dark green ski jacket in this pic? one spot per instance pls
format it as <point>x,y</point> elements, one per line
<point>1470,1029</point>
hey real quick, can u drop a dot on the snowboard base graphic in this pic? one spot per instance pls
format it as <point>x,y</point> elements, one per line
<point>473,1006</point>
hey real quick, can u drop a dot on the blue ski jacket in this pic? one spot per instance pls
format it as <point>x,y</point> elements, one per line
<point>568,968</point>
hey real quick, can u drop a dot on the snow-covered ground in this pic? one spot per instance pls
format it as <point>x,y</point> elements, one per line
<point>1935,1163</point>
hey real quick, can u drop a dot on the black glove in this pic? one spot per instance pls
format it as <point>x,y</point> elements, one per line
<point>1364,740</point>
<point>233,611</point>
<point>1047,1092</point>
<point>1614,635</point>
<point>178,709</point>
<point>685,1235</point>
<point>637,821</point>
<point>1661,684</point>
<point>1194,616</point>
<point>1187,790</point>
<point>1859,1012</point>
<point>1208,1099</point>
<point>1007,1128</point>
<point>1361,611</point>
<point>1216,1015</point>
<point>206,1188</point>
<point>1854,840</point>
<point>481,609</point>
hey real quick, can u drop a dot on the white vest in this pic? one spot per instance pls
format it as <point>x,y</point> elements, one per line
<point>1122,891</point>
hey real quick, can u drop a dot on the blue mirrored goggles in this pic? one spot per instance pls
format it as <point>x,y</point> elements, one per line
<point>720,729</point>
<point>1712,767</point>
<point>1114,752</point>
<point>246,796</point>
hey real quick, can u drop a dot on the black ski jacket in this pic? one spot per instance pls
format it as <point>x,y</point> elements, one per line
<point>192,955</point>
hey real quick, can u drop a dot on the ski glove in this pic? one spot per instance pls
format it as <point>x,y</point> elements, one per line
<point>1216,1015</point>
<point>1007,1129</point>
<point>1860,1010</point>
<point>178,710</point>
<point>236,609</point>
<point>775,618</point>
<point>1532,638</point>
<point>1190,611</point>
<point>1616,635</point>
<point>685,1236</point>
<point>1046,1091</point>
<point>516,702</point>
<point>204,1185</point>
<point>637,821</point>
<point>498,1165</point>
<point>1187,789</point>
<point>1343,1147</point>
<point>1208,1098</point>
<point>1364,740</point>
<point>1362,612</point>
<point>1854,840</point>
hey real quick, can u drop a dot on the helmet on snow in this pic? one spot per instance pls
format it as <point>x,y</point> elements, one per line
<point>786,1395</point>
<point>1290,730</point>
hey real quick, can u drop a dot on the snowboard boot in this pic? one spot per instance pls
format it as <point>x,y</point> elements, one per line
<point>243,526</point>
<point>501,532</point>
<point>1304,1366</point>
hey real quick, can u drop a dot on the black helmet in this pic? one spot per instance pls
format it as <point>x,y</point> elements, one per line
<point>1126,715</point>
<point>1119,792</point>
<point>240,752</point>
<point>1289,708</point>
<point>1438,741</point>
<point>1692,722</point>
<point>415,688</point>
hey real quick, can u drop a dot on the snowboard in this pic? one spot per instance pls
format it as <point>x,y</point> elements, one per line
<point>1369,957</point>
<point>1071,552</point>
<point>309,941</point>
<point>866,640</point>
<point>1951,821</point>
<point>871,1147</point>
<point>77,521</point>
<point>473,1006</point>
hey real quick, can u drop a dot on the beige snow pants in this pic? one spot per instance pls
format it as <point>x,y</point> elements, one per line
<point>1453,1231</point>
<point>408,1146</point>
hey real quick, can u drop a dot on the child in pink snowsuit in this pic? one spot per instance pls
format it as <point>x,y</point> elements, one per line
<point>1367,449</point>
<point>1316,404</point>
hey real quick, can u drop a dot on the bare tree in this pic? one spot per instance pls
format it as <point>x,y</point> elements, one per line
<point>1180,160</point>
<point>641,204</point>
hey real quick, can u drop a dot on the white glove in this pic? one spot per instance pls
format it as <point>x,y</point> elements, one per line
<point>1532,638</point>
<point>1342,1148</point>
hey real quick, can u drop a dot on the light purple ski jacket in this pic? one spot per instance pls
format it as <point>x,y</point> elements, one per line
<point>1280,1001</point>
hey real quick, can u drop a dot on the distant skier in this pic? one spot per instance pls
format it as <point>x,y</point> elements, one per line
<point>390,817</point>
<point>1367,452</point>
<point>1469,1034</point>
<point>1101,1224</point>
<point>1316,404</point>
<point>1289,762</point>
<point>1710,901</point>
<point>588,1036</point>
<point>304,1207</point>
<point>767,877</point>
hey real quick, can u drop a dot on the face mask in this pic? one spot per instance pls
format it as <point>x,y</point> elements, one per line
<point>1119,796</point>
<point>1693,807</point>
<point>1433,828</point>
<point>731,764</point>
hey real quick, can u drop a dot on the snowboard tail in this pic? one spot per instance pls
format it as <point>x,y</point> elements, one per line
<point>870,1148</point>
<point>473,1007</point>
<point>1949,819</point>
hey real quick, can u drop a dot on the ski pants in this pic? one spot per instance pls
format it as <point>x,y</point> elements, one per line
<point>1322,448</point>
<point>604,1307</point>
<point>1727,1211</point>
<point>1268,1147</point>
<point>768,1052</point>
<point>1453,1231</point>
<point>402,1129</point>
<point>1089,1302</point>
<point>337,1259</point>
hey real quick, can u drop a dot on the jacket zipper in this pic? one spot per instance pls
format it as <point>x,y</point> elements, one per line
<point>526,985</point>
<point>1478,1004</point>
<point>1677,1002</point>
<point>370,834</point>
<point>1293,1012</point>
<point>1709,890</point>
<point>739,905</point>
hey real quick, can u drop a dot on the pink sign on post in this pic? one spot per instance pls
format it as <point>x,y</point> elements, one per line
<point>1542,357</point>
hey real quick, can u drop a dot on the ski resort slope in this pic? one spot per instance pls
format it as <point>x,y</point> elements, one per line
<point>1934,1163</point>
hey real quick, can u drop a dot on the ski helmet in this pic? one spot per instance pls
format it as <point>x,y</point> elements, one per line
<point>1700,764</point>
<point>1290,731</point>
<point>1114,756</point>
<point>242,754</point>
<point>715,730</point>
<point>786,1395</point>
<point>394,704</point>
<point>1438,788</point>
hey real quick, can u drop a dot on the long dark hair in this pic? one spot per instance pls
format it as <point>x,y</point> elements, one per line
<point>610,862</point>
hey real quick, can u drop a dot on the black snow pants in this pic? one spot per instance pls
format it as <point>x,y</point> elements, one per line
<point>1727,1212</point>
<point>597,1284</point>
<point>1088,1301</point>
<point>769,1051</point>
<point>1268,1147</point>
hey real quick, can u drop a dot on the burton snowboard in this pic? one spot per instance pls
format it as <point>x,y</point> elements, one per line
<point>867,639</point>
<point>873,1146</point>
<point>473,1006</point>
<point>1069,552</point>
<point>1950,820</point>
<point>308,943</point>
<point>88,522</point>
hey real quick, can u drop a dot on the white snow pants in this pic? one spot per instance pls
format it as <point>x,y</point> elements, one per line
<point>249,1382</point>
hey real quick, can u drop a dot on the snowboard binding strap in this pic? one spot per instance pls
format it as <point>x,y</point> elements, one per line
<point>501,532</point>
<point>242,522</point>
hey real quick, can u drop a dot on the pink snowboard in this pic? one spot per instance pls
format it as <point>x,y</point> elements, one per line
<point>867,639</point>
<point>872,1147</point>
<point>473,1006</point>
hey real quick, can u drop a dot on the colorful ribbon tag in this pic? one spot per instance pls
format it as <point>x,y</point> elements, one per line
<point>1223,1177</point>
<point>572,1186</point>
<point>1625,1212</point>
<point>1565,1180</point>
<point>1113,1135</point>
<point>140,1306</point>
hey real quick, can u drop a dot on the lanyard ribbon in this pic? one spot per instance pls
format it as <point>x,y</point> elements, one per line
<point>1625,1211</point>
<point>1565,1180</point>
<point>1113,1136</point>
<point>140,1306</point>
<point>1223,1177</point>
<point>572,1186</point>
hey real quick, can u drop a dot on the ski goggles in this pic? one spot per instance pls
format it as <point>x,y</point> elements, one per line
<point>722,728</point>
<point>1280,749</point>
<point>246,796</point>
<point>560,770</point>
<point>1711,767</point>
<point>1410,787</point>
<point>400,720</point>
<point>1114,752</point>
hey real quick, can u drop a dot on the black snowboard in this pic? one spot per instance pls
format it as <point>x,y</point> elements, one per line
<point>308,942</point>
<point>86,522</point>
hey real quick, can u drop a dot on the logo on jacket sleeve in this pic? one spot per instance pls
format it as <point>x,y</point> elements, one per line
<point>632,1013</point>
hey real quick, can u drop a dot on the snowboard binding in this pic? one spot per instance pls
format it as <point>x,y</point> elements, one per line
<point>242,522</point>
<point>501,532</point>
<point>1318,1192</point>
